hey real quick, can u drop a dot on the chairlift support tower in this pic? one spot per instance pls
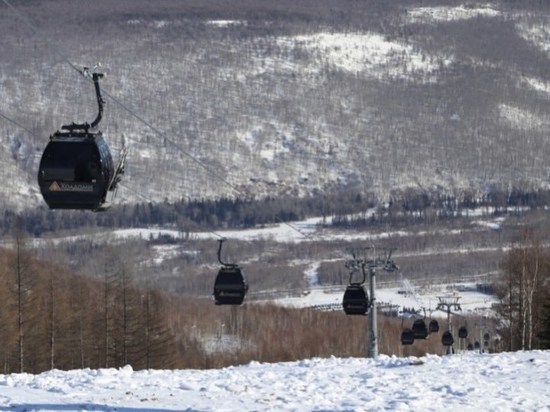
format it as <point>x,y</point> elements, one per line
<point>445,304</point>
<point>388,265</point>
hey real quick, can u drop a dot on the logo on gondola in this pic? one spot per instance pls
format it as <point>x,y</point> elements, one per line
<point>54,187</point>
<point>71,187</point>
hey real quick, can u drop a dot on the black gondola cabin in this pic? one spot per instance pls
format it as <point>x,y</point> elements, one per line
<point>356,300</point>
<point>434,326</point>
<point>447,339</point>
<point>230,286</point>
<point>75,171</point>
<point>407,337</point>
<point>419,329</point>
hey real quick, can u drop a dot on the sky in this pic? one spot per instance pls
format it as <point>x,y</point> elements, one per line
<point>462,382</point>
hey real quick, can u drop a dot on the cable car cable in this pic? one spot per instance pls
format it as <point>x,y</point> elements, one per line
<point>17,124</point>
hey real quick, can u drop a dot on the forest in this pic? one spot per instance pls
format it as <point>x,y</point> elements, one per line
<point>344,209</point>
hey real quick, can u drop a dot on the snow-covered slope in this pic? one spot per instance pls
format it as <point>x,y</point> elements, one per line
<point>466,382</point>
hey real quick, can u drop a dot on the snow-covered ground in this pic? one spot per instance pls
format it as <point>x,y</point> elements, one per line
<point>467,382</point>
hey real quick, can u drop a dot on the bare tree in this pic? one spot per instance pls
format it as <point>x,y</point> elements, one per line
<point>526,272</point>
<point>22,271</point>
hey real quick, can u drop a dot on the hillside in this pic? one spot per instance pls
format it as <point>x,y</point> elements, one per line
<point>255,98</point>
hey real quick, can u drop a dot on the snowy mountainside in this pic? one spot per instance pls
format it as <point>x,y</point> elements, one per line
<point>441,98</point>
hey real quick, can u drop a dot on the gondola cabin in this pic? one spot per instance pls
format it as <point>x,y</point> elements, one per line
<point>356,300</point>
<point>75,171</point>
<point>407,337</point>
<point>447,339</point>
<point>462,332</point>
<point>230,286</point>
<point>419,329</point>
<point>433,326</point>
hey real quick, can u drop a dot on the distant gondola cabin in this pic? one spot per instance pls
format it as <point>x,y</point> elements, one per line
<point>230,286</point>
<point>407,337</point>
<point>419,329</point>
<point>434,326</point>
<point>447,339</point>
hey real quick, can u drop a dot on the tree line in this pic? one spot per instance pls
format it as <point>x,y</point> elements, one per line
<point>345,208</point>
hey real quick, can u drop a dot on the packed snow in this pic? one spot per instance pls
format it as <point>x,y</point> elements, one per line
<point>470,381</point>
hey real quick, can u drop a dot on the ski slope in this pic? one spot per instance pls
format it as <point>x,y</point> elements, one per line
<point>466,382</point>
